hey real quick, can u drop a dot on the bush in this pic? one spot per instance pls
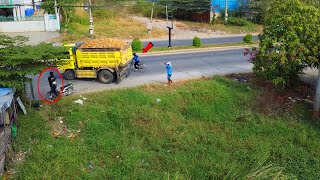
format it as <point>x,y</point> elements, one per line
<point>196,41</point>
<point>136,45</point>
<point>247,38</point>
<point>238,21</point>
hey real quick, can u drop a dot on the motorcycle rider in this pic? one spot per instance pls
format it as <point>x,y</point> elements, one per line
<point>52,83</point>
<point>136,61</point>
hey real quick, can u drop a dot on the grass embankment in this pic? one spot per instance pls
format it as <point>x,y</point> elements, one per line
<point>159,49</point>
<point>107,23</point>
<point>200,129</point>
<point>222,28</point>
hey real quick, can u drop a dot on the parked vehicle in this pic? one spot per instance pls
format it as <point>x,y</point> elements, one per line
<point>106,64</point>
<point>65,90</point>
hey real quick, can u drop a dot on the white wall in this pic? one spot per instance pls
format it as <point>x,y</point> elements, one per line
<point>22,26</point>
<point>48,24</point>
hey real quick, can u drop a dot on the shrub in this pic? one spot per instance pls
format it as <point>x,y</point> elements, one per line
<point>247,38</point>
<point>238,21</point>
<point>196,41</point>
<point>136,45</point>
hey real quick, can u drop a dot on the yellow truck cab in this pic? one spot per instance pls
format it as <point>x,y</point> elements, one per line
<point>106,64</point>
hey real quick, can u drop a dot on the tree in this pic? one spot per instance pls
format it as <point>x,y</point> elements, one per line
<point>18,60</point>
<point>182,9</point>
<point>289,42</point>
<point>66,8</point>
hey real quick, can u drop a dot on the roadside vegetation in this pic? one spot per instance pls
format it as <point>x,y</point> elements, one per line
<point>158,49</point>
<point>220,27</point>
<point>107,23</point>
<point>199,129</point>
<point>113,19</point>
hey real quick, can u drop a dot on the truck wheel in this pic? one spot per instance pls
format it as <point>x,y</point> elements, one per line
<point>69,75</point>
<point>105,77</point>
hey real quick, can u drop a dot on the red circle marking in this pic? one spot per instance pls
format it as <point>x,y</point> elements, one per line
<point>38,85</point>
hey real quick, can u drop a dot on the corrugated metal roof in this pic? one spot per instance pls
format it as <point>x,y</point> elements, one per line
<point>6,97</point>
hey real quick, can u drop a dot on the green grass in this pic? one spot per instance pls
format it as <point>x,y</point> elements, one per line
<point>229,29</point>
<point>157,49</point>
<point>201,129</point>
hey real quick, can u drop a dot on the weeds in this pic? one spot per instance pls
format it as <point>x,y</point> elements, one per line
<point>200,129</point>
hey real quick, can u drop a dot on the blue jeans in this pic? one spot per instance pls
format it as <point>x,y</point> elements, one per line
<point>169,77</point>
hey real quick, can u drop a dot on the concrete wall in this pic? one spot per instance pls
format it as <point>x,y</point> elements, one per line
<point>22,26</point>
<point>48,24</point>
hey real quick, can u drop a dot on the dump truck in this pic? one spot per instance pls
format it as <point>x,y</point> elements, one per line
<point>97,59</point>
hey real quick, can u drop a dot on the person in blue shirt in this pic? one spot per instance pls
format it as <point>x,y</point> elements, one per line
<point>136,61</point>
<point>169,71</point>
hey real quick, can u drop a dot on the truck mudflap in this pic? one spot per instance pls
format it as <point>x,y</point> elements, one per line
<point>122,73</point>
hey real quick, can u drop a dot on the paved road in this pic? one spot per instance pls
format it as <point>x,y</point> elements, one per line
<point>187,42</point>
<point>185,66</point>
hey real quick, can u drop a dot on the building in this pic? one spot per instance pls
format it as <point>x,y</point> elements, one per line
<point>8,115</point>
<point>26,16</point>
<point>16,10</point>
<point>220,5</point>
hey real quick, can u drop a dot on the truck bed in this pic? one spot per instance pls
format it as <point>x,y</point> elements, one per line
<point>102,57</point>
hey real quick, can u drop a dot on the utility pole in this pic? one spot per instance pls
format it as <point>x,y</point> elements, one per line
<point>226,13</point>
<point>152,12</point>
<point>33,5</point>
<point>56,8</point>
<point>149,25</point>
<point>91,20</point>
<point>168,26</point>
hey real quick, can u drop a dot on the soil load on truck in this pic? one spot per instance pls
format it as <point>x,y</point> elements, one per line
<point>106,59</point>
<point>104,43</point>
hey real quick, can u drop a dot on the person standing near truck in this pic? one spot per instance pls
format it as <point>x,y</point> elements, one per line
<point>169,71</point>
<point>52,82</point>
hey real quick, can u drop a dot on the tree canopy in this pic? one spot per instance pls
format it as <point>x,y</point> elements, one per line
<point>18,59</point>
<point>289,42</point>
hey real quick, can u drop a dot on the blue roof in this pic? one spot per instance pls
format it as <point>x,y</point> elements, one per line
<point>221,4</point>
<point>6,98</point>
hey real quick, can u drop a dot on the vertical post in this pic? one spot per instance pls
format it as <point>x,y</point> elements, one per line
<point>152,12</point>
<point>317,98</point>
<point>169,37</point>
<point>33,5</point>
<point>18,13</point>
<point>226,13</point>
<point>167,13</point>
<point>55,7</point>
<point>91,20</point>
<point>211,13</point>
<point>57,12</point>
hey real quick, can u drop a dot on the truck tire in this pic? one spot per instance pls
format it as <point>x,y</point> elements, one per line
<point>69,75</point>
<point>105,77</point>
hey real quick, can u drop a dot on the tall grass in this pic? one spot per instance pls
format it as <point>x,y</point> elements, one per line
<point>201,129</point>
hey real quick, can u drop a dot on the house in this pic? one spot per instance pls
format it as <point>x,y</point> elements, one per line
<point>15,10</point>
<point>219,6</point>
<point>8,115</point>
<point>24,16</point>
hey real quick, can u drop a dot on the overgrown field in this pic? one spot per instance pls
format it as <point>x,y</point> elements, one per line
<point>107,23</point>
<point>200,129</point>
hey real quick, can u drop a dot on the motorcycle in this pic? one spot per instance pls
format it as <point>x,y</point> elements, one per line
<point>65,90</point>
<point>141,67</point>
